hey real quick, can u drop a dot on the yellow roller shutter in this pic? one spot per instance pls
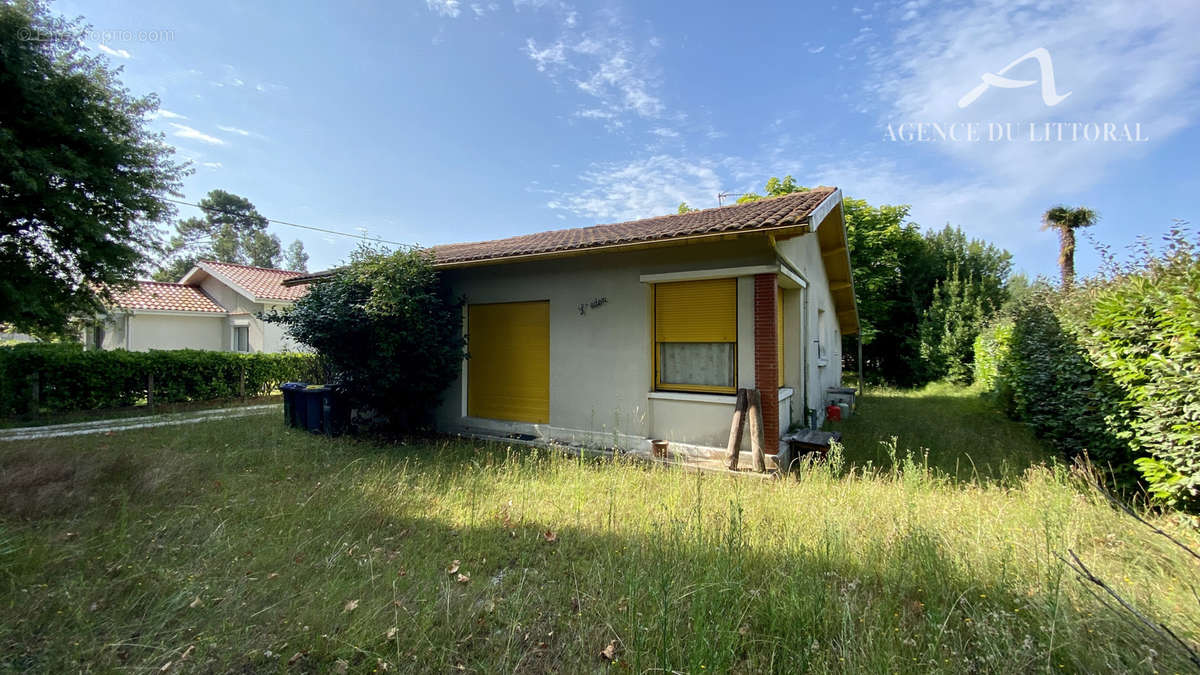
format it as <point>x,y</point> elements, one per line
<point>696,311</point>
<point>508,374</point>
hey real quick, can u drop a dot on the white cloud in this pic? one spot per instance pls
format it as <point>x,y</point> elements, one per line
<point>664,132</point>
<point>212,165</point>
<point>816,50</point>
<point>118,53</point>
<point>166,114</point>
<point>619,80</point>
<point>235,130</point>
<point>554,55</point>
<point>1101,53</point>
<point>184,131</point>
<point>447,8</point>
<point>642,188</point>
<point>603,63</point>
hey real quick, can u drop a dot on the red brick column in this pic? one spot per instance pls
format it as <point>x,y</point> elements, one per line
<point>766,355</point>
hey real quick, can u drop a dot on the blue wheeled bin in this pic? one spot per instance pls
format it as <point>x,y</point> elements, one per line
<point>293,409</point>
<point>314,397</point>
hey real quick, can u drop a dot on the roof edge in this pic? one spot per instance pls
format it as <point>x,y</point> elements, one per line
<point>803,225</point>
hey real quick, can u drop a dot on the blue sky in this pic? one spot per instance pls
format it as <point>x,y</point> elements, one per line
<point>434,121</point>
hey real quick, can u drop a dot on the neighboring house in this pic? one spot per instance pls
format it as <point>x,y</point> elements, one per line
<point>613,334</point>
<point>213,307</point>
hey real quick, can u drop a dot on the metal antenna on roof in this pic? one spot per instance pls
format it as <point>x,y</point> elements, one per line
<point>722,195</point>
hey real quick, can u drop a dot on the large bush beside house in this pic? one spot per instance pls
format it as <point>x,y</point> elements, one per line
<point>65,377</point>
<point>1112,369</point>
<point>387,329</point>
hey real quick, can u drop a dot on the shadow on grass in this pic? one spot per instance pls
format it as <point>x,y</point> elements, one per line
<point>269,546</point>
<point>952,429</point>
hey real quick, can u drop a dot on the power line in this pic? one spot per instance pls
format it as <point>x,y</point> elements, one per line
<point>284,222</point>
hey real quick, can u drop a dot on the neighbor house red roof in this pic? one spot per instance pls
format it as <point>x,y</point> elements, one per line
<point>260,282</point>
<point>162,296</point>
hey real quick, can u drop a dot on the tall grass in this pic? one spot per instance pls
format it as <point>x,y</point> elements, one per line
<point>243,546</point>
<point>953,428</point>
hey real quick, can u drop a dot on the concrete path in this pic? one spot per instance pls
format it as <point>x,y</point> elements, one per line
<point>144,422</point>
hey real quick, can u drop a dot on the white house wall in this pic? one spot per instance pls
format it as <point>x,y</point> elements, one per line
<point>263,336</point>
<point>172,331</point>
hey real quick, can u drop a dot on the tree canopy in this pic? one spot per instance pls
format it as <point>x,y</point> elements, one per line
<point>82,179</point>
<point>232,230</point>
<point>922,297</point>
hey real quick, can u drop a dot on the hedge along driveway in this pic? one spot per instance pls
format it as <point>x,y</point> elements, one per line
<point>68,378</point>
<point>148,421</point>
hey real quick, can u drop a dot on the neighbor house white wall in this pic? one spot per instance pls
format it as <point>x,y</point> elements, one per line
<point>264,337</point>
<point>174,331</point>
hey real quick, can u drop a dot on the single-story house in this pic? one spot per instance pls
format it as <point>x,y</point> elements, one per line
<point>614,334</point>
<point>214,306</point>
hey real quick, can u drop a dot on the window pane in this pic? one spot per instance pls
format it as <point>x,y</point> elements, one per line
<point>697,363</point>
<point>242,333</point>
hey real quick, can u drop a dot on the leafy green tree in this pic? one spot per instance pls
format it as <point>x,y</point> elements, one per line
<point>949,326</point>
<point>296,259</point>
<point>684,208</point>
<point>988,265</point>
<point>1065,221</point>
<point>232,231</point>
<point>897,274</point>
<point>387,329</point>
<point>885,253</point>
<point>774,188</point>
<point>82,179</point>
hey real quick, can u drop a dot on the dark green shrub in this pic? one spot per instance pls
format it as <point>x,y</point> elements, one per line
<point>388,331</point>
<point>1111,369</point>
<point>70,378</point>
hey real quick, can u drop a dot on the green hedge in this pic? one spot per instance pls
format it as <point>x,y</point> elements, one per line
<point>69,378</point>
<point>1111,369</point>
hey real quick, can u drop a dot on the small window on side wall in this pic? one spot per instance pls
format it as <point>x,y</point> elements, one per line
<point>241,338</point>
<point>822,341</point>
<point>695,336</point>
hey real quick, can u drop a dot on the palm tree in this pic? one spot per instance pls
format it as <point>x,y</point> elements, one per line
<point>1066,220</point>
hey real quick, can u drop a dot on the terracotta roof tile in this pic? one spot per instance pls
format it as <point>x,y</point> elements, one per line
<point>789,209</point>
<point>262,282</point>
<point>163,296</point>
<point>764,213</point>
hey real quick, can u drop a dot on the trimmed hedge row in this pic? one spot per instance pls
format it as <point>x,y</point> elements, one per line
<point>69,378</point>
<point>1111,369</point>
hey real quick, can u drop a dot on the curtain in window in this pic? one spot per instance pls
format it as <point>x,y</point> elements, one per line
<point>695,334</point>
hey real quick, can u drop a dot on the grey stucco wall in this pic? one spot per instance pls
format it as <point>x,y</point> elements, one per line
<point>601,360</point>
<point>804,254</point>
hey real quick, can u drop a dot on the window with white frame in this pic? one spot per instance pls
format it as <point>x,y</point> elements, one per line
<point>241,338</point>
<point>695,336</point>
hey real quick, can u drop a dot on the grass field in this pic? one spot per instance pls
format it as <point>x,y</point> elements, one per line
<point>951,428</point>
<point>242,546</point>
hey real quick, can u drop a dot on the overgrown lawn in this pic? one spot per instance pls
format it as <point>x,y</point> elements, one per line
<point>241,546</point>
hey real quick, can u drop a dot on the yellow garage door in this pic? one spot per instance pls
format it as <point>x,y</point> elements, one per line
<point>508,374</point>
